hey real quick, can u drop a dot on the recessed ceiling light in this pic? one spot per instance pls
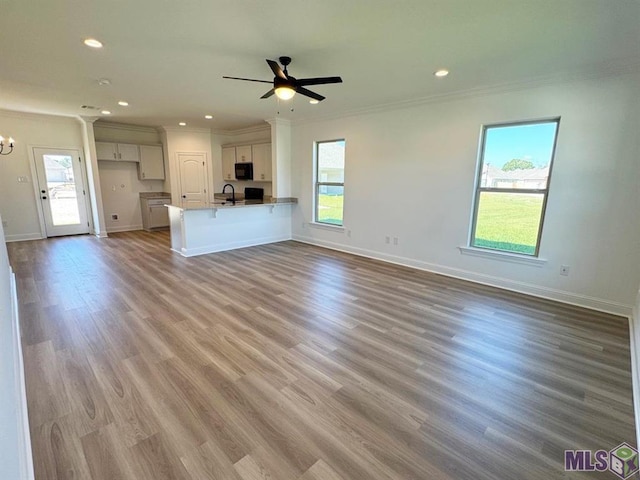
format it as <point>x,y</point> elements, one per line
<point>208,117</point>
<point>93,43</point>
<point>122,103</point>
<point>182,124</point>
<point>441,73</point>
<point>313,101</point>
<point>105,112</point>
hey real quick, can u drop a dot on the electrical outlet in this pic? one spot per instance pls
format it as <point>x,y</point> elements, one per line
<point>395,240</point>
<point>564,270</point>
<point>114,216</point>
<point>387,240</point>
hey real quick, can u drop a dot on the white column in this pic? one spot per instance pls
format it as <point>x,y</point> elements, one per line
<point>281,157</point>
<point>93,176</point>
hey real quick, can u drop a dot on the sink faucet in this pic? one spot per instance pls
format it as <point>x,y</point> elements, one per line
<point>233,192</point>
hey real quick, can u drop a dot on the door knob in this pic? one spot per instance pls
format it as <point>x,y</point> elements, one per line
<point>44,198</point>
<point>184,196</point>
<point>43,191</point>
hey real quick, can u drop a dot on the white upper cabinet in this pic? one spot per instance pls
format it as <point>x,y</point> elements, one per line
<point>119,152</point>
<point>243,154</point>
<point>228,163</point>
<point>261,154</point>
<point>106,151</point>
<point>151,166</point>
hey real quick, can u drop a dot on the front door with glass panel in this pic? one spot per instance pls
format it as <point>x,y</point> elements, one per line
<point>61,191</point>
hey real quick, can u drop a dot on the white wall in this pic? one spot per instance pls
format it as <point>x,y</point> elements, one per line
<point>15,448</point>
<point>186,140</point>
<point>119,181</point>
<point>260,134</point>
<point>410,174</point>
<point>17,200</point>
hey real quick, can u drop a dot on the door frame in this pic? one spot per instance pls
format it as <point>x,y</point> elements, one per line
<point>36,187</point>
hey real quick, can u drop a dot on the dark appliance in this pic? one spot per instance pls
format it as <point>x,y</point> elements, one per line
<point>253,193</point>
<point>244,171</point>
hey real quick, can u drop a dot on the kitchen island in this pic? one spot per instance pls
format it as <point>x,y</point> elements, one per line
<point>224,225</point>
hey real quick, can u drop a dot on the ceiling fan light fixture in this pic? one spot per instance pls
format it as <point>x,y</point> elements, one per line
<point>313,101</point>
<point>285,93</point>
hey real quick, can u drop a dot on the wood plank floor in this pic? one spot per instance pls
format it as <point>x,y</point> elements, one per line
<point>288,361</point>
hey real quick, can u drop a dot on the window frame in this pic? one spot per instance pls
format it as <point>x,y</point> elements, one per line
<point>318,184</point>
<point>479,188</point>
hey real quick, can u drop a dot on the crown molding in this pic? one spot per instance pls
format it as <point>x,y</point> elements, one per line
<point>242,131</point>
<point>172,129</point>
<point>125,126</point>
<point>608,69</point>
<point>279,121</point>
<point>39,116</point>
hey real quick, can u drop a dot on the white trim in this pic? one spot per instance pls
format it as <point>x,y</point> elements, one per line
<point>24,437</point>
<point>327,226</point>
<point>241,131</point>
<point>562,296</point>
<point>635,374</point>
<point>22,237</point>
<point>192,252</point>
<point>101,234</point>
<point>123,228</point>
<point>124,126</point>
<point>502,256</point>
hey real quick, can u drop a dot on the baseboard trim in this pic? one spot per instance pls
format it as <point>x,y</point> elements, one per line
<point>192,252</point>
<point>26,456</point>
<point>23,237</point>
<point>124,228</point>
<point>562,296</point>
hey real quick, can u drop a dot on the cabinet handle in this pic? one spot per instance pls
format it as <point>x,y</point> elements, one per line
<point>114,156</point>
<point>120,156</point>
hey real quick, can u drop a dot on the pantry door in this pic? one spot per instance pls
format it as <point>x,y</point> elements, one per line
<point>193,179</point>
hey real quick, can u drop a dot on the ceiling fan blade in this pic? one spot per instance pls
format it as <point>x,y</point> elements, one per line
<point>248,79</point>
<point>309,93</point>
<point>269,93</point>
<point>277,71</point>
<point>318,81</point>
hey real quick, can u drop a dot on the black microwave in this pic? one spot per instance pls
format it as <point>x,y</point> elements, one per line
<point>244,171</point>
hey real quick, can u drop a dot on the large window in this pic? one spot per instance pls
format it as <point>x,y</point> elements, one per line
<point>329,182</point>
<point>512,186</point>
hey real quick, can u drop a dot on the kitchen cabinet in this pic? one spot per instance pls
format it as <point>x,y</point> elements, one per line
<point>118,152</point>
<point>243,154</point>
<point>258,154</point>
<point>151,166</point>
<point>228,163</point>
<point>261,155</point>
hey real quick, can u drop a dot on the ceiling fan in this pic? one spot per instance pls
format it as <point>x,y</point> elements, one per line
<point>286,86</point>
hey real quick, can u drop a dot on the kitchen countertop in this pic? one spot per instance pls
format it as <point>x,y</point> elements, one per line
<point>155,195</point>
<point>219,203</point>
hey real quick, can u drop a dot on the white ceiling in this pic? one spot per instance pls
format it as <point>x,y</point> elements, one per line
<point>167,57</point>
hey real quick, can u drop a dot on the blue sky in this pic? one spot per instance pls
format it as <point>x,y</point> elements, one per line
<point>528,142</point>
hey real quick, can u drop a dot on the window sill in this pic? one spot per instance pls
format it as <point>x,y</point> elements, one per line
<point>327,226</point>
<point>503,256</point>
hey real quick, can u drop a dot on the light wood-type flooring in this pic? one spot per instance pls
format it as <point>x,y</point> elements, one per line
<point>288,361</point>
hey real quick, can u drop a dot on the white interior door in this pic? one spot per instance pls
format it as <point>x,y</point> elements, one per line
<point>61,191</point>
<point>193,179</point>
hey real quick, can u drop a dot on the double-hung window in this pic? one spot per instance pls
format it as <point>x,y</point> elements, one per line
<point>512,186</point>
<point>329,182</point>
